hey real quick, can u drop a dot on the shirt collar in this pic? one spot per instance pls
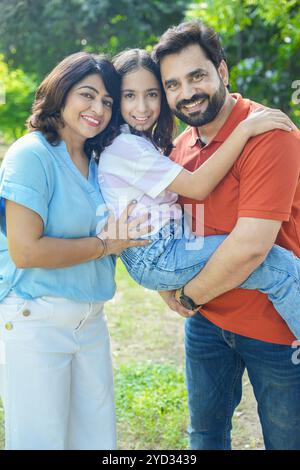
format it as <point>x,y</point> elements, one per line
<point>238,113</point>
<point>125,129</point>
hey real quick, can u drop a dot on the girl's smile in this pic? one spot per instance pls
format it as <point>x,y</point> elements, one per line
<point>140,99</point>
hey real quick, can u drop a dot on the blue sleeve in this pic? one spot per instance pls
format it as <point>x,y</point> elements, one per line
<point>23,178</point>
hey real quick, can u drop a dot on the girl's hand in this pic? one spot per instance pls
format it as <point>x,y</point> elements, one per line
<point>266,119</point>
<point>121,234</point>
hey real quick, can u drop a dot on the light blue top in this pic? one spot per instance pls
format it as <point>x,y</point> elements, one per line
<point>44,178</point>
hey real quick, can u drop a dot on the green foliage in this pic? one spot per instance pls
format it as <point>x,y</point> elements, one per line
<point>37,34</point>
<point>18,90</point>
<point>3,149</point>
<point>151,403</point>
<point>261,39</point>
<point>262,43</point>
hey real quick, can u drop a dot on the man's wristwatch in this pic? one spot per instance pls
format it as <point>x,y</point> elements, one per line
<point>185,300</point>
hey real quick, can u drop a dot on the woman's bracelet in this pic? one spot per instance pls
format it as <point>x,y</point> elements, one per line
<point>104,246</point>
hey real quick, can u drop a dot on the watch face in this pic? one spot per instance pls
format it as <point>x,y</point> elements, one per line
<point>186,302</point>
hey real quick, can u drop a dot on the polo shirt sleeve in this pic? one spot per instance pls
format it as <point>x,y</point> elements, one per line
<point>23,178</point>
<point>269,172</point>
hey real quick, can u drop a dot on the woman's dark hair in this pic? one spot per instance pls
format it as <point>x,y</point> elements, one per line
<point>133,59</point>
<point>185,34</point>
<point>52,93</point>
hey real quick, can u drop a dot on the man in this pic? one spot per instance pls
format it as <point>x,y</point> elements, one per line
<point>258,204</point>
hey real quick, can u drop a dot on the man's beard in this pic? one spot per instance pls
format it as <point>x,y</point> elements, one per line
<point>199,118</point>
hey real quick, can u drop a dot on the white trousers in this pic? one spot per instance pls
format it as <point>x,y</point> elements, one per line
<point>57,375</point>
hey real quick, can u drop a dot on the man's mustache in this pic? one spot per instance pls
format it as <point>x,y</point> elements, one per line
<point>194,98</point>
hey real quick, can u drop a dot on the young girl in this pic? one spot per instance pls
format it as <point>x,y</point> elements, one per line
<point>134,167</point>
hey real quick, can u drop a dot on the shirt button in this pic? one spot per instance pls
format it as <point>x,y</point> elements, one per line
<point>26,313</point>
<point>9,325</point>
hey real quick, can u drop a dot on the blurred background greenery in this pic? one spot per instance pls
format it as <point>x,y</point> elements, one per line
<point>261,39</point>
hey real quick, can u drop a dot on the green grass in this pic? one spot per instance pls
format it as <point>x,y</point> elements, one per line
<point>151,404</point>
<point>142,326</point>
<point>147,344</point>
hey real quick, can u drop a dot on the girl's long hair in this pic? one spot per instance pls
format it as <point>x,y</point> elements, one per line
<point>131,60</point>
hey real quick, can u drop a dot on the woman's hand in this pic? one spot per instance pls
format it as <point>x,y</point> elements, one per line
<point>265,119</point>
<point>168,297</point>
<point>121,234</point>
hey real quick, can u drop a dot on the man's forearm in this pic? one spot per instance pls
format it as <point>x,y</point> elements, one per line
<point>229,266</point>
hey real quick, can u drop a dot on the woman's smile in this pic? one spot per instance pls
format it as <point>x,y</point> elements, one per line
<point>90,120</point>
<point>87,111</point>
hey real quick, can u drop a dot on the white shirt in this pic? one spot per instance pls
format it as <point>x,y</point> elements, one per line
<point>132,168</point>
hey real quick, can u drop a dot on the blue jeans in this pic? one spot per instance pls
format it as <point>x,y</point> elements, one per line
<point>170,261</point>
<point>215,362</point>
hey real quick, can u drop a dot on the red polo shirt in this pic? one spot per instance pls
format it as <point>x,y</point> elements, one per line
<point>264,184</point>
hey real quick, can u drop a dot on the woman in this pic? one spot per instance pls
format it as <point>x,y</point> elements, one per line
<point>133,165</point>
<point>56,268</point>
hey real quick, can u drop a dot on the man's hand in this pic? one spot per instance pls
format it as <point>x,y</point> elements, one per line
<point>168,297</point>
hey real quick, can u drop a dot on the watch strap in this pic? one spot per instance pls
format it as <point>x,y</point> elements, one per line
<point>186,301</point>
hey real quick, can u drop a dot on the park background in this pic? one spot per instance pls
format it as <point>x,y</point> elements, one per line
<point>261,39</point>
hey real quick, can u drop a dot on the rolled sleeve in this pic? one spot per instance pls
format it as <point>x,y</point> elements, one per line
<point>23,179</point>
<point>154,172</point>
<point>27,197</point>
<point>169,176</point>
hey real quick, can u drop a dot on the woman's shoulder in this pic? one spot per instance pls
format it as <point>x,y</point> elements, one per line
<point>31,147</point>
<point>33,142</point>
